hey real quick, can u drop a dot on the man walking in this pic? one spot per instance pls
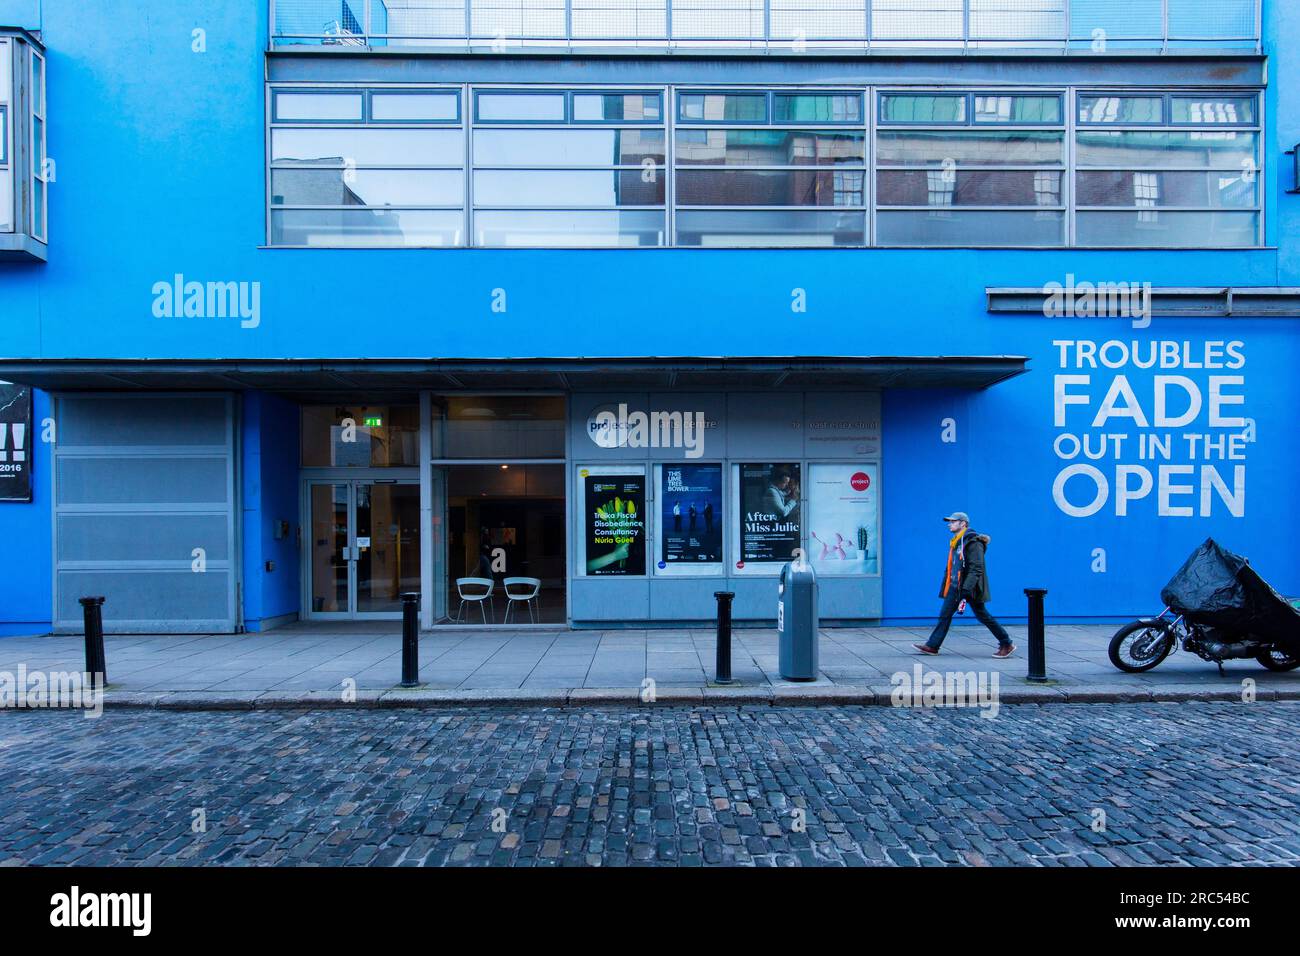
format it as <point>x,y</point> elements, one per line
<point>965,581</point>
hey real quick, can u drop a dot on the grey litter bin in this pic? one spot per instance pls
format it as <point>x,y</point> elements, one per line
<point>796,621</point>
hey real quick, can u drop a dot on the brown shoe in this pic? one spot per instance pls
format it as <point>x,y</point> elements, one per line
<point>1005,650</point>
<point>925,648</point>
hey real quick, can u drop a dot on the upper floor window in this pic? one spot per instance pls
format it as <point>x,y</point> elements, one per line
<point>6,166</point>
<point>537,166</point>
<point>1166,170</point>
<point>25,170</point>
<point>970,169</point>
<point>770,168</point>
<point>569,168</point>
<point>381,167</point>
<point>40,172</point>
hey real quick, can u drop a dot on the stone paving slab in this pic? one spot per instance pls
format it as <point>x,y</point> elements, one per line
<point>313,665</point>
<point>658,786</point>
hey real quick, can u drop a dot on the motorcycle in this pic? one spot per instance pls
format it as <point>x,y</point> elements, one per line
<point>1143,644</point>
<point>1218,608</point>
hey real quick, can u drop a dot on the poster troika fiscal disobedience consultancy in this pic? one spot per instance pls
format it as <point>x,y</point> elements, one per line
<point>615,523</point>
<point>770,519</point>
<point>690,514</point>
<point>15,442</point>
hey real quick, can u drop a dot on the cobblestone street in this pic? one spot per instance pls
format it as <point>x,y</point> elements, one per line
<point>1072,785</point>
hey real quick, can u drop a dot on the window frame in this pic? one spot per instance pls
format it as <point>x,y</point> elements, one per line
<point>823,231</point>
<point>1168,125</point>
<point>39,178</point>
<point>658,94</point>
<point>663,125</point>
<point>1063,167</point>
<point>365,123</point>
<point>278,120</point>
<point>861,166</point>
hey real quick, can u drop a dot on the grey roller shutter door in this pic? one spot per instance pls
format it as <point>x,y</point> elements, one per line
<point>144,511</point>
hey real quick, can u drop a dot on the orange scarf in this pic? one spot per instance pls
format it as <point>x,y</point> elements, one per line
<point>952,549</point>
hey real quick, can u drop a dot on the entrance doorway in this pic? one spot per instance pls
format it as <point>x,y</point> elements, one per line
<point>505,548</point>
<point>364,547</point>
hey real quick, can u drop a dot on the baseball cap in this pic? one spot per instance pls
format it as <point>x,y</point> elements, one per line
<point>958,516</point>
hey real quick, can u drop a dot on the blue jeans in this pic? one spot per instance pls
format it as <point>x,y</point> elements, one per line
<point>981,614</point>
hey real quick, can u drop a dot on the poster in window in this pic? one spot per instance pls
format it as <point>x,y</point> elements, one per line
<point>843,512</point>
<point>15,442</point>
<point>690,517</point>
<point>615,529</point>
<point>770,519</point>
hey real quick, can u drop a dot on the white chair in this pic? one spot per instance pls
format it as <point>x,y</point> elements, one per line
<point>522,589</point>
<point>467,588</point>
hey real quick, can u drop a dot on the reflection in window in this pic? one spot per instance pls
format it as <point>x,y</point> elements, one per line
<point>943,182</point>
<point>498,426</point>
<point>724,107</point>
<point>542,148</point>
<point>360,436</point>
<point>922,108</point>
<point>565,183</point>
<point>1146,194</point>
<point>616,107</point>
<point>1220,110</point>
<point>1141,110</point>
<point>364,180</point>
<point>762,147</point>
<point>817,108</point>
<point>922,147</point>
<point>1018,109</point>
<point>1167,186</point>
<point>769,228</point>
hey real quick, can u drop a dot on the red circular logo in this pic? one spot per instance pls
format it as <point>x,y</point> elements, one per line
<point>860,481</point>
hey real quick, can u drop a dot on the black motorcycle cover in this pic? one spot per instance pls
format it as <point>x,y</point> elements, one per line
<point>1218,588</point>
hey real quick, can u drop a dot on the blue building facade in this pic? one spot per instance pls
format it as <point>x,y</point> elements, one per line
<point>338,300</point>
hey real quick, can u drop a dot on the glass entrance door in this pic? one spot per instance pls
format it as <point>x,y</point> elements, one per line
<point>365,547</point>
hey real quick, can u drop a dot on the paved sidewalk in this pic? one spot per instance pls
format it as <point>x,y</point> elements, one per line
<point>334,664</point>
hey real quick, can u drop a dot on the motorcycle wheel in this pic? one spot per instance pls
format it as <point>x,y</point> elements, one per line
<point>1276,659</point>
<point>1140,646</point>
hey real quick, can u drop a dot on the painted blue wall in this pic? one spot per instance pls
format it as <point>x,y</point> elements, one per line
<point>270,494</point>
<point>21,13</point>
<point>160,154</point>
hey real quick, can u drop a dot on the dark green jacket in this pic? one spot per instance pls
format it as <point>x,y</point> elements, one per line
<point>974,578</point>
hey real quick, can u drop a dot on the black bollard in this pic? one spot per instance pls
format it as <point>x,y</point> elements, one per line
<point>410,639</point>
<point>96,665</point>
<point>723,675</point>
<point>1037,636</point>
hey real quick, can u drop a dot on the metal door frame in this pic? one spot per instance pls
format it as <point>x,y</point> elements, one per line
<point>351,481</point>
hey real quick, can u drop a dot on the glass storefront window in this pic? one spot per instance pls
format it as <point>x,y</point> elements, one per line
<point>505,524</point>
<point>844,518</point>
<point>498,426</point>
<point>612,503</point>
<point>360,436</point>
<point>770,516</point>
<point>690,518</point>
